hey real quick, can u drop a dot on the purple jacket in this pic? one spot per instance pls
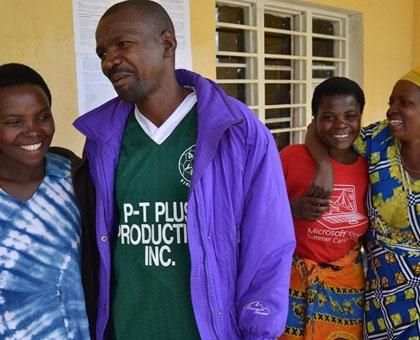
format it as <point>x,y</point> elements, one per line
<point>240,230</point>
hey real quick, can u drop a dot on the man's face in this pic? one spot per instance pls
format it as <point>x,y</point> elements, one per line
<point>132,54</point>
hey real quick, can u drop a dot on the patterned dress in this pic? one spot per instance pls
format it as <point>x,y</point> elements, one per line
<point>41,295</point>
<point>326,299</point>
<point>393,282</point>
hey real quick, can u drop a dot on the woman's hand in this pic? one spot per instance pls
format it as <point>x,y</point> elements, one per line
<point>309,207</point>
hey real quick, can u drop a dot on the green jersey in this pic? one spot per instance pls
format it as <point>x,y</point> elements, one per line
<point>151,260</point>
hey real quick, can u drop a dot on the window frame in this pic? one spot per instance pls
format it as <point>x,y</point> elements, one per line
<point>303,30</point>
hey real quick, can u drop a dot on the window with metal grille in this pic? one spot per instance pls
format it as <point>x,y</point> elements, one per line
<point>272,54</point>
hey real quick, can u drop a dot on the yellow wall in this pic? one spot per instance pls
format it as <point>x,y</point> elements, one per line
<point>416,34</point>
<point>388,47</point>
<point>203,37</point>
<point>39,33</point>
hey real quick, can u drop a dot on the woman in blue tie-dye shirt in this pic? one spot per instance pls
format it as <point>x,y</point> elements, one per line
<point>41,294</point>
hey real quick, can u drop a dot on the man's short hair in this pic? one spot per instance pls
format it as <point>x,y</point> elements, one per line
<point>337,86</point>
<point>15,74</point>
<point>150,10</point>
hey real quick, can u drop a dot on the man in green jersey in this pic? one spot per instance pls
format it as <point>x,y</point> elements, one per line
<point>193,220</point>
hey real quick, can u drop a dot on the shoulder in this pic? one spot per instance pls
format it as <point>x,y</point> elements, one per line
<point>57,164</point>
<point>358,169</point>
<point>229,124</point>
<point>372,138</point>
<point>296,154</point>
<point>255,133</point>
<point>57,152</point>
<point>362,170</point>
<point>362,163</point>
<point>294,150</point>
<point>104,121</point>
<point>218,110</point>
<point>377,130</point>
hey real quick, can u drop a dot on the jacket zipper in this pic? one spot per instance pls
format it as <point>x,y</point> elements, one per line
<point>209,286</point>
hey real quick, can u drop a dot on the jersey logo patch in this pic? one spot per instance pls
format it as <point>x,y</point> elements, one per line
<point>185,165</point>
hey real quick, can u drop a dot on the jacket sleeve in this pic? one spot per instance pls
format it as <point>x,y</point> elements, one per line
<point>267,244</point>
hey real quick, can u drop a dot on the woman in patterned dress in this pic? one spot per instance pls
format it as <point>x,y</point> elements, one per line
<point>392,149</point>
<point>41,294</point>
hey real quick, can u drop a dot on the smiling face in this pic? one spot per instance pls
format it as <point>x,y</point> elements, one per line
<point>404,111</point>
<point>133,54</point>
<point>338,123</point>
<point>26,126</point>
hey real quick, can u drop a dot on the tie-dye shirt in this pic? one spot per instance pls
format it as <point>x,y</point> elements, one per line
<point>41,294</point>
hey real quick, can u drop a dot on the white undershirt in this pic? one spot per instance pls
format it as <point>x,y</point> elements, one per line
<point>160,134</point>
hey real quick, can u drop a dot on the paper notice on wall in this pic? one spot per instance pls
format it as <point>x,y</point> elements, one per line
<point>93,88</point>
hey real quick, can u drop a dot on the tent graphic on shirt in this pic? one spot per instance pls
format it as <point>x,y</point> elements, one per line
<point>343,209</point>
<point>342,203</point>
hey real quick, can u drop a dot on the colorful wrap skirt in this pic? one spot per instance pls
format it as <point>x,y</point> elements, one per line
<point>392,292</point>
<point>326,300</point>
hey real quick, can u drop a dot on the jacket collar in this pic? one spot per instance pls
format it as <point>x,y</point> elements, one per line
<point>216,112</point>
<point>106,122</point>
